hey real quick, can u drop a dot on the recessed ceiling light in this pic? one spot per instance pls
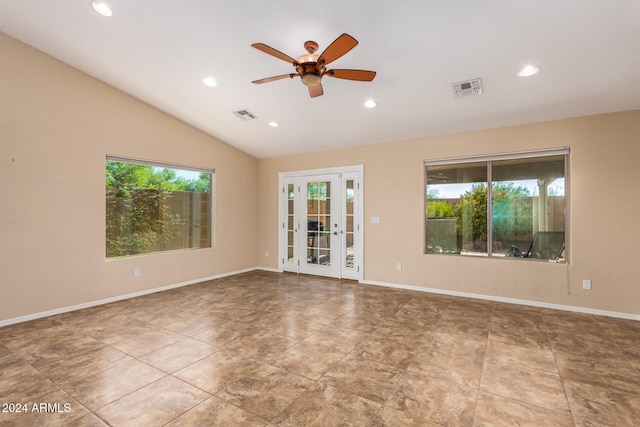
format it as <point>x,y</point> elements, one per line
<point>529,70</point>
<point>102,8</point>
<point>273,124</point>
<point>370,103</point>
<point>210,81</point>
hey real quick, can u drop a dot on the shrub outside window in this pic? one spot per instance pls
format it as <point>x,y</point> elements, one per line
<point>156,207</point>
<point>526,216</point>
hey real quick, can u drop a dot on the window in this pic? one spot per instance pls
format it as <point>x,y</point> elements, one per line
<point>155,207</point>
<point>526,214</point>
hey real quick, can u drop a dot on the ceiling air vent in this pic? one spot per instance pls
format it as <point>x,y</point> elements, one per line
<point>467,88</point>
<point>245,115</point>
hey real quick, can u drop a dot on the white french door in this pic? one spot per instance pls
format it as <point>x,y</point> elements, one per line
<point>320,254</point>
<point>320,222</point>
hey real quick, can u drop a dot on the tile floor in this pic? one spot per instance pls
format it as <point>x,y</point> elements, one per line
<point>268,349</point>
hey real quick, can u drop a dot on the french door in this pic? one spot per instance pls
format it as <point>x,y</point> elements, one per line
<point>320,223</point>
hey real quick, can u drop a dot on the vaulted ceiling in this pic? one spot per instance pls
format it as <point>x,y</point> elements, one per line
<point>159,51</point>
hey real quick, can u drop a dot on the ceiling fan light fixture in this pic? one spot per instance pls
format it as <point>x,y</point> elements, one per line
<point>529,70</point>
<point>102,8</point>
<point>311,79</point>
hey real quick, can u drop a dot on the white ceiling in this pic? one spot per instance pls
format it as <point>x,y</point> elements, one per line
<point>160,50</point>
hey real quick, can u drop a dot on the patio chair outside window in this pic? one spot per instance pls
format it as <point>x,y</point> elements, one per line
<point>545,245</point>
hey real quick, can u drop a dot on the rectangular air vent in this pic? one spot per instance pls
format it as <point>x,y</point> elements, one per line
<point>245,115</point>
<point>467,88</point>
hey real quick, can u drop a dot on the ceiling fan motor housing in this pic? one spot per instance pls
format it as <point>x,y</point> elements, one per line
<point>308,70</point>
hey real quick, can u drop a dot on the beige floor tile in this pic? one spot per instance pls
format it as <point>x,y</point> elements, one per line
<point>52,343</point>
<point>216,371</point>
<point>261,347</point>
<point>147,342</point>
<point>25,329</point>
<point>420,314</point>
<point>115,330</point>
<point>80,365</point>
<point>12,365</point>
<point>521,357</point>
<point>324,405</point>
<point>492,410</point>
<point>365,322</point>
<point>176,356</point>
<point>171,399</point>
<point>520,327</point>
<point>111,384</point>
<point>215,412</point>
<point>441,402</point>
<point>88,420</point>
<point>366,378</point>
<point>340,339</point>
<point>451,356</point>
<point>265,391</point>
<point>309,359</point>
<point>602,369</point>
<point>392,418</point>
<point>392,351</point>
<point>539,388</point>
<point>477,327</point>
<point>225,332</point>
<point>295,328</point>
<point>594,405</point>
<point>4,351</point>
<point>26,386</point>
<point>631,353</point>
<point>395,328</point>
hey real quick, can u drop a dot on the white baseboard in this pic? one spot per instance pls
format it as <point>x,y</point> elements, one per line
<point>67,309</point>
<point>507,300</point>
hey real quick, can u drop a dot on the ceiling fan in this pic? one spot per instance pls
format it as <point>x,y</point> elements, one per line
<point>312,67</point>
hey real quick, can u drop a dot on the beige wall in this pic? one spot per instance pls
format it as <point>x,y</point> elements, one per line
<point>604,213</point>
<point>56,127</point>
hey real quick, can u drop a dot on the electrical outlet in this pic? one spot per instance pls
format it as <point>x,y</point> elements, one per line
<point>399,266</point>
<point>266,253</point>
<point>136,272</point>
<point>586,284</point>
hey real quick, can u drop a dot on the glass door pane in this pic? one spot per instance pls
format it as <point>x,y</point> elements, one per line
<point>321,226</point>
<point>318,223</point>
<point>348,233</point>
<point>290,222</point>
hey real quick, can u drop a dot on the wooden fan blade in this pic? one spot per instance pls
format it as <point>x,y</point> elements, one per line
<point>274,52</point>
<point>360,75</point>
<point>274,78</point>
<point>316,90</point>
<point>339,47</point>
